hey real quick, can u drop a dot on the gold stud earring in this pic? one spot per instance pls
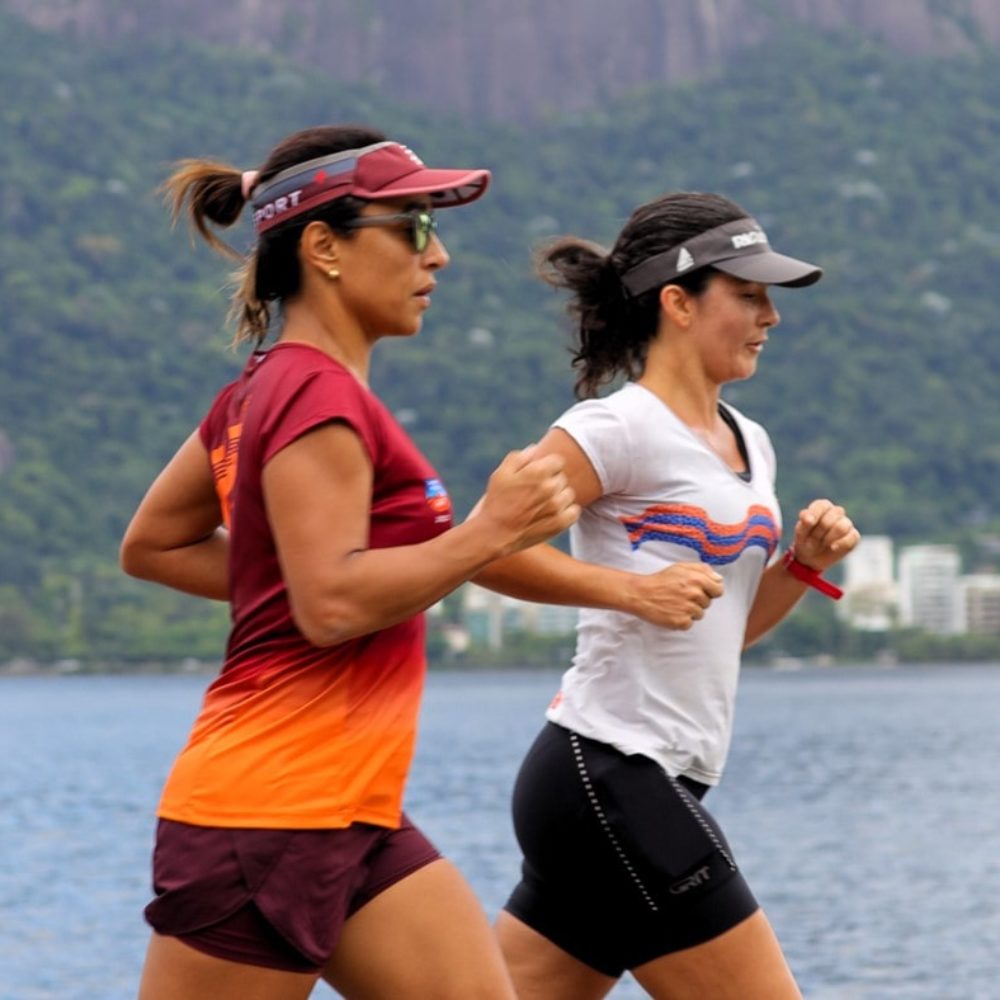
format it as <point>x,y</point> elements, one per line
<point>333,274</point>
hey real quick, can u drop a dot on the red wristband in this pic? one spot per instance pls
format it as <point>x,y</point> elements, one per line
<point>809,576</point>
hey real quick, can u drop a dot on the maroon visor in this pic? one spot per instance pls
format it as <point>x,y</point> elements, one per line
<point>383,170</point>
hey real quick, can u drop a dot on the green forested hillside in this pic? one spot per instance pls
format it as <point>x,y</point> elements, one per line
<point>879,388</point>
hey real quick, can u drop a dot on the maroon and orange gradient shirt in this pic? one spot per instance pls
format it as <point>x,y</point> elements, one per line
<point>289,734</point>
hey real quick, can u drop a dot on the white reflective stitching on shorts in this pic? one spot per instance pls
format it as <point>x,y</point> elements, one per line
<point>686,798</point>
<point>599,812</point>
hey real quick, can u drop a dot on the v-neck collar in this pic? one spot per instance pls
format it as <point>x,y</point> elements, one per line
<point>745,475</point>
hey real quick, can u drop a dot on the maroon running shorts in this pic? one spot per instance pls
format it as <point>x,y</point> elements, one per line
<point>276,898</point>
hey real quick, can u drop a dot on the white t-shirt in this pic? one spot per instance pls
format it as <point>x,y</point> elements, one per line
<point>668,498</point>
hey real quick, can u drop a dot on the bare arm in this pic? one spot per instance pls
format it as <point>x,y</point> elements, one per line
<point>176,536</point>
<point>824,534</point>
<point>318,490</point>
<point>675,597</point>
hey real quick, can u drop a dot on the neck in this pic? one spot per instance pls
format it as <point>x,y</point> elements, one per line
<point>339,337</point>
<point>678,379</point>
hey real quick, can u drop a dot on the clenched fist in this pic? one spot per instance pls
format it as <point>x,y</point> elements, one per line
<point>675,597</point>
<point>528,499</point>
<point>824,534</point>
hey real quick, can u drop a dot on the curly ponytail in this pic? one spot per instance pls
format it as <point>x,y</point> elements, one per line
<point>599,307</point>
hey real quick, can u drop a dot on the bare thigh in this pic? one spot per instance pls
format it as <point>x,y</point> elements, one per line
<point>744,963</point>
<point>176,971</point>
<point>425,936</point>
<point>541,970</point>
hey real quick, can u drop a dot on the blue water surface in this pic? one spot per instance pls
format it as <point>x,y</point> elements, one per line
<point>862,803</point>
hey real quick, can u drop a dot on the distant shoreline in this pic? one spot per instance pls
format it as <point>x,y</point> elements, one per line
<point>202,668</point>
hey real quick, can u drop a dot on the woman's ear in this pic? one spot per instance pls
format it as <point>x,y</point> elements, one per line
<point>676,305</point>
<point>319,247</point>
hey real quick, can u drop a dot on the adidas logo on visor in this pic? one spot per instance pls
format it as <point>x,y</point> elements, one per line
<point>684,261</point>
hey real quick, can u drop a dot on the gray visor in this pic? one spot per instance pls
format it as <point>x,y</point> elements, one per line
<point>739,248</point>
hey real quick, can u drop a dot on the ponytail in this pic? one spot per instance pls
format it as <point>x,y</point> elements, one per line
<point>599,307</point>
<point>214,193</point>
<point>209,192</point>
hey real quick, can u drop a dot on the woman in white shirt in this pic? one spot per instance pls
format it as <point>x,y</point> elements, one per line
<point>674,568</point>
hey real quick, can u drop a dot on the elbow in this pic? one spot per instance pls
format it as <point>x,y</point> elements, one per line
<point>326,636</point>
<point>754,633</point>
<point>140,556</point>
<point>323,638</point>
<point>330,625</point>
<point>133,557</point>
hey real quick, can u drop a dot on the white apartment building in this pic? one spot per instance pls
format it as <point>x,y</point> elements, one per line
<point>929,594</point>
<point>870,600</point>
<point>980,603</point>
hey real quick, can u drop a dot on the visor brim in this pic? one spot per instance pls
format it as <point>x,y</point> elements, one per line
<point>445,187</point>
<point>771,268</point>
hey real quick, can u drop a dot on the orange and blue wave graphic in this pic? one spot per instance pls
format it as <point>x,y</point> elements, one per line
<point>715,543</point>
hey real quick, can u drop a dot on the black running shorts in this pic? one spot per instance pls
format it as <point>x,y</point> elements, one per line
<point>622,863</point>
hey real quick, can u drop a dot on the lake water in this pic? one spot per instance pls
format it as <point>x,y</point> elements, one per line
<point>862,803</point>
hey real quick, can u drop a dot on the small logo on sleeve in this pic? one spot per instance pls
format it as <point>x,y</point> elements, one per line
<point>437,499</point>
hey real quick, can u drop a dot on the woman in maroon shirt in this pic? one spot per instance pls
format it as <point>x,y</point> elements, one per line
<point>282,853</point>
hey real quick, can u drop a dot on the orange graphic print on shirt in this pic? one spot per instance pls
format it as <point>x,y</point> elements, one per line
<point>224,460</point>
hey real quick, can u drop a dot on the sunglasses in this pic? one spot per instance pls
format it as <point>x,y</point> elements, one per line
<point>421,221</point>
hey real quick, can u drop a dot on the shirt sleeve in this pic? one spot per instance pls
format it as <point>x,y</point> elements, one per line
<point>211,427</point>
<point>322,397</point>
<point>602,435</point>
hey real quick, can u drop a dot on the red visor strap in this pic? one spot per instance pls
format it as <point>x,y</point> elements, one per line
<point>809,576</point>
